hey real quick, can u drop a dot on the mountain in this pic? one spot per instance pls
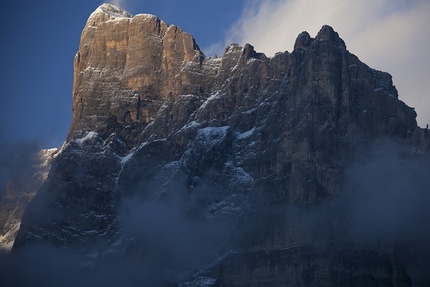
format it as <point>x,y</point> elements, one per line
<point>19,191</point>
<point>304,169</point>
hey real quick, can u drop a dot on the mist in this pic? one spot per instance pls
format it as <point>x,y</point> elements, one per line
<point>382,205</point>
<point>178,235</point>
<point>387,197</point>
<point>390,195</point>
<point>158,242</point>
<point>14,158</point>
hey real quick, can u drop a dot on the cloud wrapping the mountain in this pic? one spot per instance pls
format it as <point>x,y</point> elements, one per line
<point>388,35</point>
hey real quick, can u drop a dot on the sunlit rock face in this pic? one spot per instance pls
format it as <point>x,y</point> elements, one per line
<point>126,67</point>
<point>168,145</point>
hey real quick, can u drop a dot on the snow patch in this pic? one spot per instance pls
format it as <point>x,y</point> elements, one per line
<point>190,125</point>
<point>216,96</point>
<point>142,145</point>
<point>200,281</point>
<point>246,134</point>
<point>147,16</point>
<point>215,60</point>
<point>232,48</point>
<point>187,96</point>
<point>88,136</point>
<point>249,111</point>
<point>211,133</point>
<point>211,66</point>
<point>94,70</point>
<point>239,176</point>
<point>114,11</point>
<point>124,159</point>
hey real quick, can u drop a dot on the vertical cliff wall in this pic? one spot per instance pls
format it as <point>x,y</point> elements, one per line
<point>251,145</point>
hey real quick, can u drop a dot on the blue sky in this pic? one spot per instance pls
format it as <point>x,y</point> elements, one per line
<point>40,40</point>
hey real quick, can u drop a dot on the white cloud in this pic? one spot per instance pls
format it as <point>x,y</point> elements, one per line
<point>118,3</point>
<point>389,35</point>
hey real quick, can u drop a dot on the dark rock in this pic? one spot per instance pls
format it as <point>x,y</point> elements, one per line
<point>231,138</point>
<point>327,33</point>
<point>303,40</point>
<point>19,191</point>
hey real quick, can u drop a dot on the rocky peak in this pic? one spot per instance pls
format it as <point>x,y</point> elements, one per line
<point>107,12</point>
<point>124,69</point>
<point>327,33</point>
<point>249,52</point>
<point>242,138</point>
<point>139,79</point>
<point>303,40</point>
<point>111,10</point>
<point>127,66</point>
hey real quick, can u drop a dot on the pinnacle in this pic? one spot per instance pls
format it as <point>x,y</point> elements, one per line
<point>327,33</point>
<point>303,40</point>
<point>112,10</point>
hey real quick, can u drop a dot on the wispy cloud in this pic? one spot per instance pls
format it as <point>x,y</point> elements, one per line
<point>118,3</point>
<point>389,35</point>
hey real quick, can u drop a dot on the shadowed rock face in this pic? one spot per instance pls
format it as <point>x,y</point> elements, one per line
<point>19,191</point>
<point>311,109</point>
<point>234,138</point>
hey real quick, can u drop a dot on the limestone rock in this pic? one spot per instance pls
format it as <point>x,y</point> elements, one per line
<point>234,138</point>
<point>124,69</point>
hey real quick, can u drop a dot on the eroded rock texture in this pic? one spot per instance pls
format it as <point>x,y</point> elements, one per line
<point>243,143</point>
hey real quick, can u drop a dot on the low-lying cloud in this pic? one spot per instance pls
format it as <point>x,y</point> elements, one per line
<point>179,237</point>
<point>383,203</point>
<point>387,206</point>
<point>158,242</point>
<point>390,197</point>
